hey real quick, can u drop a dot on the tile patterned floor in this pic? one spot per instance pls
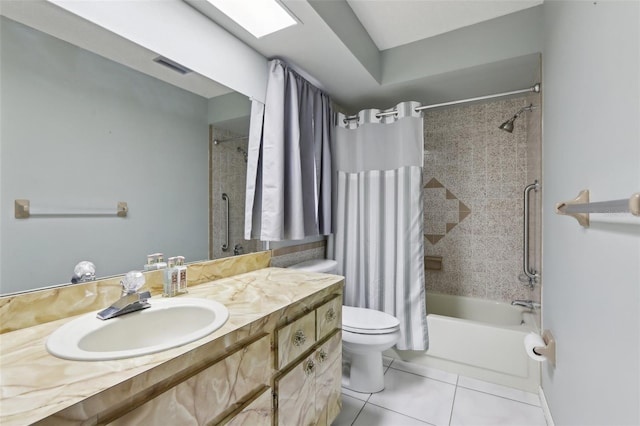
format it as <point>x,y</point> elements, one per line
<point>418,395</point>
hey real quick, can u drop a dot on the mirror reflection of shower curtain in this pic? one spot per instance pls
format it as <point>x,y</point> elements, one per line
<point>378,217</point>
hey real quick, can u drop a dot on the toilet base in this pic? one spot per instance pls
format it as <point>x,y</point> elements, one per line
<point>366,374</point>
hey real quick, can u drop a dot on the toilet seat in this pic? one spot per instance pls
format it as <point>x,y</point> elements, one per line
<point>368,321</point>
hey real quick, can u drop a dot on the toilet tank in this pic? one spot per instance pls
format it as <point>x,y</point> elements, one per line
<point>326,266</point>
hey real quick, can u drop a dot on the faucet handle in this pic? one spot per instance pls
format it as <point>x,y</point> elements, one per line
<point>83,272</point>
<point>132,282</point>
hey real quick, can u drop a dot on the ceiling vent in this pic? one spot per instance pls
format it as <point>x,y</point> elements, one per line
<point>172,65</point>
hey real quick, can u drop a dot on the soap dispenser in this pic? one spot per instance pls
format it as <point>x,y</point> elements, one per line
<point>155,261</point>
<point>182,274</point>
<point>170,279</point>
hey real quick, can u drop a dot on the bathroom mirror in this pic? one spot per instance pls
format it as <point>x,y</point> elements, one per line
<point>80,131</point>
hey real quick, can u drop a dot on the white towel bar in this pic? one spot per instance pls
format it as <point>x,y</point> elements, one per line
<point>580,208</point>
<point>23,210</point>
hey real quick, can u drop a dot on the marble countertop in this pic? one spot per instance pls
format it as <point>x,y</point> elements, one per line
<point>36,385</point>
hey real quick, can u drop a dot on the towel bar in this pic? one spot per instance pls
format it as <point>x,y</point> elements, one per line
<point>580,208</point>
<point>23,210</point>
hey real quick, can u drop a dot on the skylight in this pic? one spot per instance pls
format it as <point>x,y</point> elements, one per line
<point>259,17</point>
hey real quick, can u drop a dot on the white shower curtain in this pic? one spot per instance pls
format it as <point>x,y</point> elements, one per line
<point>378,240</point>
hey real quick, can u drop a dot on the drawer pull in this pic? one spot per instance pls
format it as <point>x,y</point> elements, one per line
<point>309,367</point>
<point>321,356</point>
<point>331,315</point>
<point>299,338</point>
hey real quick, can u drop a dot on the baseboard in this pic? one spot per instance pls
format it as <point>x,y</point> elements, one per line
<point>545,408</point>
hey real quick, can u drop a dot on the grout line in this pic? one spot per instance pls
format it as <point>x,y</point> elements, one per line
<point>500,396</point>
<point>427,377</point>
<point>453,402</point>
<point>398,412</point>
<point>358,415</point>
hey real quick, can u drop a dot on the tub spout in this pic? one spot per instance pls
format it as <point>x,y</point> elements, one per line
<point>530,304</point>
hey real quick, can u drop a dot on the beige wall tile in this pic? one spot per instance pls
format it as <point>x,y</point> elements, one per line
<point>487,170</point>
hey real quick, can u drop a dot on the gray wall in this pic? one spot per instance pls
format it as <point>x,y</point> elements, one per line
<point>79,130</point>
<point>591,297</point>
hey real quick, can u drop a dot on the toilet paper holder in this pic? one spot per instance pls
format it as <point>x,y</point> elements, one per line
<point>549,350</point>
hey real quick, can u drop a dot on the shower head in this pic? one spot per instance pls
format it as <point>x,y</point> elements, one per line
<point>508,125</point>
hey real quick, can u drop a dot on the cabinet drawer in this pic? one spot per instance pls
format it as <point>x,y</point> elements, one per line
<point>205,396</point>
<point>328,317</point>
<point>296,338</point>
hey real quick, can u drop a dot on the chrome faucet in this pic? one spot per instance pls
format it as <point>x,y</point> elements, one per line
<point>131,300</point>
<point>128,303</point>
<point>529,304</point>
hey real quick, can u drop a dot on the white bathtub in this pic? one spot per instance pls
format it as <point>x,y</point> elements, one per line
<point>478,338</point>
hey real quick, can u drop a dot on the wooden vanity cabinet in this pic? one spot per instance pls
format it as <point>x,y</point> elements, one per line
<point>307,388</point>
<point>290,376</point>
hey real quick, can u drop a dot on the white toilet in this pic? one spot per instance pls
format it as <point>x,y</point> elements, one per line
<point>366,333</point>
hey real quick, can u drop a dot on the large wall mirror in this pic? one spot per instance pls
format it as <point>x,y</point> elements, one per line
<point>82,131</point>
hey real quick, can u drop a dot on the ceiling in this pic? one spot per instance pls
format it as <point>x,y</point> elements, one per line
<point>392,23</point>
<point>364,53</point>
<point>376,53</point>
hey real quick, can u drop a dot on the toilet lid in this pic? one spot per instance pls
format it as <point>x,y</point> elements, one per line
<point>368,321</point>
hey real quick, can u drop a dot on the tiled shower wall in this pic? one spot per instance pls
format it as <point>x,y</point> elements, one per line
<point>474,177</point>
<point>228,174</point>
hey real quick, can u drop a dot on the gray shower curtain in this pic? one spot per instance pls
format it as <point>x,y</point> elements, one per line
<point>288,193</point>
<point>378,240</point>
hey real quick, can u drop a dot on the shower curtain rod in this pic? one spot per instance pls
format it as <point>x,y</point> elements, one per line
<point>535,88</point>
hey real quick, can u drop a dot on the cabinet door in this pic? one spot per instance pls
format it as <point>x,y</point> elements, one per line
<point>257,413</point>
<point>296,393</point>
<point>329,379</point>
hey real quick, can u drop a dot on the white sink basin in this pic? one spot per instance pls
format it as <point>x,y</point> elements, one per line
<point>166,324</point>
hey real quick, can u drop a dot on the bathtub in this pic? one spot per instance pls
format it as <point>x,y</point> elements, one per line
<point>478,338</point>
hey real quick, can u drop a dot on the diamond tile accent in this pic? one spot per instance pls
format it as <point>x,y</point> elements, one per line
<point>433,183</point>
<point>441,216</point>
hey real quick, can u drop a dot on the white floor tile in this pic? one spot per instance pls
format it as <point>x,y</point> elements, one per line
<point>503,391</point>
<point>425,371</point>
<point>350,409</point>
<point>478,408</point>
<point>387,360</point>
<point>377,416</point>
<point>356,395</point>
<point>416,396</point>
